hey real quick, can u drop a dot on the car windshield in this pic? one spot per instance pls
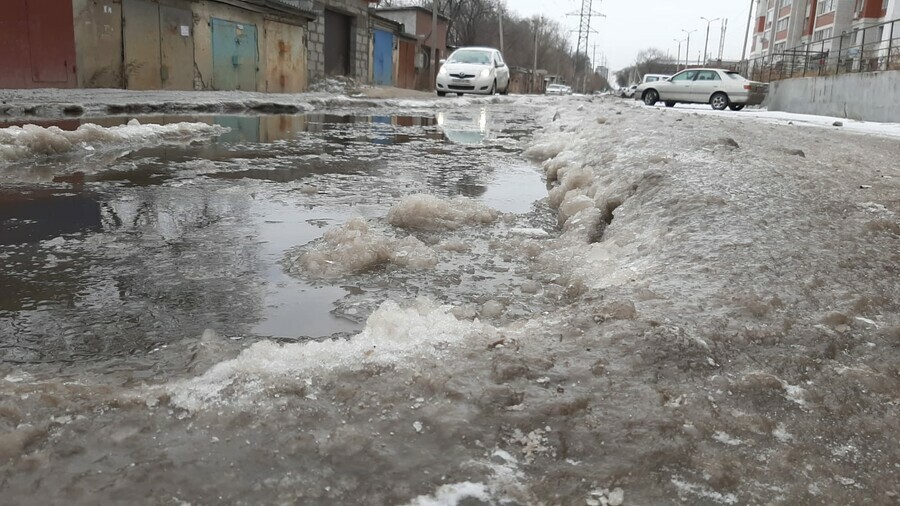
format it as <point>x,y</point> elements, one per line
<point>469,56</point>
<point>736,76</point>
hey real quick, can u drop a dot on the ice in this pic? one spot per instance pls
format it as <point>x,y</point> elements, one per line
<point>354,248</point>
<point>393,335</point>
<point>31,140</point>
<point>687,489</point>
<point>453,494</point>
<point>427,212</point>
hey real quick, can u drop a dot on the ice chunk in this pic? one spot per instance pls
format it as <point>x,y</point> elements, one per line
<point>354,248</point>
<point>427,212</point>
<point>453,494</point>
<point>31,140</point>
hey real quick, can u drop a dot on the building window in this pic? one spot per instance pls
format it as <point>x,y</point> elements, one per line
<point>824,7</point>
<point>783,24</point>
<point>779,48</point>
<point>822,34</point>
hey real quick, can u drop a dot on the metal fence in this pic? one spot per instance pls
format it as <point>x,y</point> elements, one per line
<point>867,49</point>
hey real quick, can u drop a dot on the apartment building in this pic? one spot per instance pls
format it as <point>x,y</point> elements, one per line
<point>785,24</point>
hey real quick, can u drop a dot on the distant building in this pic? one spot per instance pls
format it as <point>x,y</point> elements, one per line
<point>787,24</point>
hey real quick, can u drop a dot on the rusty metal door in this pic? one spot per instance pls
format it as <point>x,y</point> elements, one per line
<point>406,67</point>
<point>176,47</point>
<point>285,58</point>
<point>337,44</point>
<point>14,58</point>
<point>37,48</point>
<point>51,37</point>
<point>140,21</point>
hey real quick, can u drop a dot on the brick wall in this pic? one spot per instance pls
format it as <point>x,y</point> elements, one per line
<point>359,37</point>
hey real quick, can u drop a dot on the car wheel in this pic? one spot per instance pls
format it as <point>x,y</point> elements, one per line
<point>460,94</point>
<point>719,101</point>
<point>669,103</point>
<point>442,93</point>
<point>735,107</point>
<point>651,97</point>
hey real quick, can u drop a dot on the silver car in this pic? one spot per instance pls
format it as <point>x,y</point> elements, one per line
<point>720,88</point>
<point>479,70</point>
<point>557,89</point>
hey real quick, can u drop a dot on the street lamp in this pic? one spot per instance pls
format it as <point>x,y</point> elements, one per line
<point>688,50</point>
<point>678,61</point>
<point>706,44</point>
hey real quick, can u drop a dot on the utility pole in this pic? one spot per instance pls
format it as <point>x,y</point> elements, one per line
<point>501,29</point>
<point>687,52</point>
<point>537,32</point>
<point>722,39</point>
<point>706,44</point>
<point>678,61</point>
<point>747,33</point>
<point>434,9</point>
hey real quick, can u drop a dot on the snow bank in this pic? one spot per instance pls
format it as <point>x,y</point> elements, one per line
<point>354,248</point>
<point>17,143</point>
<point>427,212</point>
<point>393,336</point>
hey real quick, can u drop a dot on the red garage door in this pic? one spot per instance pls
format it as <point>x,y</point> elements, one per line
<point>37,44</point>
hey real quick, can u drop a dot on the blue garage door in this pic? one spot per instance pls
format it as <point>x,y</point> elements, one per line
<point>384,52</point>
<point>235,55</point>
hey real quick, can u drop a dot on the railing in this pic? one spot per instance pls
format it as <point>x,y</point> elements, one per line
<point>866,49</point>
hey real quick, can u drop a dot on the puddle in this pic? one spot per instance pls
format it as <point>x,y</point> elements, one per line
<point>120,252</point>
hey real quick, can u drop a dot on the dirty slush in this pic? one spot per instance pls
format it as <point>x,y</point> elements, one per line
<point>503,301</point>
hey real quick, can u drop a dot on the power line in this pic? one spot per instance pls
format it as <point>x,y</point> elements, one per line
<point>584,31</point>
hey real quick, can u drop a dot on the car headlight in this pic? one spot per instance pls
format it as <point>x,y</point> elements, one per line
<point>443,71</point>
<point>485,72</point>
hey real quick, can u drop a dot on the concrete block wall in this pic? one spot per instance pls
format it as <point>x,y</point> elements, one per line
<point>868,96</point>
<point>359,38</point>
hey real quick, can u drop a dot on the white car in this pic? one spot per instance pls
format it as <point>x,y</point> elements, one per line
<point>722,89</point>
<point>479,70</point>
<point>557,89</point>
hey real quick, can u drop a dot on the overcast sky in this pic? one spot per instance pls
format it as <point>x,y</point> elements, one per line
<point>630,25</point>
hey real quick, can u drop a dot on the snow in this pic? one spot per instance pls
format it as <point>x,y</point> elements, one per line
<point>427,212</point>
<point>393,336</point>
<point>714,290</point>
<point>766,116</point>
<point>17,143</point>
<point>453,494</point>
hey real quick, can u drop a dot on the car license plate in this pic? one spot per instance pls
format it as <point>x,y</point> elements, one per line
<point>460,80</point>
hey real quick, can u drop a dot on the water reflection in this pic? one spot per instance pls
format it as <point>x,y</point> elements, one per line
<point>32,216</point>
<point>467,127</point>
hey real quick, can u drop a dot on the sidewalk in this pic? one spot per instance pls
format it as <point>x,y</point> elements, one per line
<point>59,103</point>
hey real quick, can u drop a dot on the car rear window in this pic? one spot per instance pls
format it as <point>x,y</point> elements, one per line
<point>736,76</point>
